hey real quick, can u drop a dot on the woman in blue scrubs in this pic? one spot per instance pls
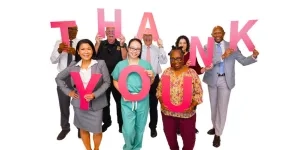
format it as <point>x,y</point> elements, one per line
<point>135,113</point>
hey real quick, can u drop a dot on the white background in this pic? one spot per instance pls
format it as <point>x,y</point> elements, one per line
<point>264,105</point>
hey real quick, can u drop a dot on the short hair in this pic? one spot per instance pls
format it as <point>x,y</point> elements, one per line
<point>84,41</point>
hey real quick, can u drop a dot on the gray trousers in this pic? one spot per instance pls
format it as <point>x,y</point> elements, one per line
<point>219,98</point>
<point>64,104</point>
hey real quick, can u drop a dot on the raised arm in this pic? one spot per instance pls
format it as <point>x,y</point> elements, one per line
<point>162,55</point>
<point>242,59</point>
<point>55,53</point>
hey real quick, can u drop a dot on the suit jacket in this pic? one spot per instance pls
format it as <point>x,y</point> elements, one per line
<point>100,100</point>
<point>211,76</point>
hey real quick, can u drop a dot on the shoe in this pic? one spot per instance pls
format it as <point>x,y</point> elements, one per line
<point>120,128</point>
<point>211,131</point>
<point>178,132</point>
<point>153,133</point>
<point>217,141</point>
<point>79,136</point>
<point>62,134</point>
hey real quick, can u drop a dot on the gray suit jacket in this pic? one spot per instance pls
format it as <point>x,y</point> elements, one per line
<point>211,76</point>
<point>100,100</point>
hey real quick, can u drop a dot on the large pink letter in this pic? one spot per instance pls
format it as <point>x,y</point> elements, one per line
<point>205,55</point>
<point>236,36</point>
<point>102,23</point>
<point>84,105</point>
<point>187,94</point>
<point>153,29</point>
<point>123,83</point>
<point>63,25</point>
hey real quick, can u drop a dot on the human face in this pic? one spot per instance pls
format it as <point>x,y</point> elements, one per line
<point>110,34</point>
<point>134,50</point>
<point>176,60</point>
<point>182,43</point>
<point>85,51</point>
<point>72,32</point>
<point>147,38</point>
<point>218,34</point>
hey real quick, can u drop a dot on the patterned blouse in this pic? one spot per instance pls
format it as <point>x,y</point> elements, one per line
<point>176,91</point>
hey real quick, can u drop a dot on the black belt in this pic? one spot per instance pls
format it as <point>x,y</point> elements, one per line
<point>221,74</point>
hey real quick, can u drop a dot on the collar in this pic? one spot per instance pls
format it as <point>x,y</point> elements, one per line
<point>150,46</point>
<point>91,64</point>
<point>222,42</point>
<point>73,40</point>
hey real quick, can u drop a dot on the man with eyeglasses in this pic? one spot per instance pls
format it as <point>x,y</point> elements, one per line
<point>63,55</point>
<point>156,56</point>
<point>111,51</point>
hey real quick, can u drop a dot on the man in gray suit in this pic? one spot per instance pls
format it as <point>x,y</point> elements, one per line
<point>220,79</point>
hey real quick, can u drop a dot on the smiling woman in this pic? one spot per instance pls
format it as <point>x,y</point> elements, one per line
<point>134,113</point>
<point>90,79</point>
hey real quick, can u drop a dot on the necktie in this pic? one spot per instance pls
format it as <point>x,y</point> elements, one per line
<point>70,56</point>
<point>148,54</point>
<point>221,64</point>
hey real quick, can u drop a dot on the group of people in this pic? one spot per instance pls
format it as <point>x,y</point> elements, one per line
<point>109,57</point>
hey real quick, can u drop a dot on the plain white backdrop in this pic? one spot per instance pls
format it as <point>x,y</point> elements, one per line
<point>264,105</point>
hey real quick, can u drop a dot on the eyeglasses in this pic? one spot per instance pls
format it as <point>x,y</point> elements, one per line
<point>176,59</point>
<point>134,49</point>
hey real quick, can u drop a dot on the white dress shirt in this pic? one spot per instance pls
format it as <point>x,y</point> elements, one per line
<point>158,56</point>
<point>86,74</point>
<point>61,59</point>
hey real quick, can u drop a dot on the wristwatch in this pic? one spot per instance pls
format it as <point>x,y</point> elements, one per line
<point>124,45</point>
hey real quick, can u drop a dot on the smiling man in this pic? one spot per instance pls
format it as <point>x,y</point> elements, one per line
<point>63,55</point>
<point>156,56</point>
<point>111,51</point>
<point>221,80</point>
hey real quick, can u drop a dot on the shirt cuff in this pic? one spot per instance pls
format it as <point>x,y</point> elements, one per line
<point>254,58</point>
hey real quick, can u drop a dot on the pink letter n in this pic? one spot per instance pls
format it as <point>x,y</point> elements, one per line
<point>206,55</point>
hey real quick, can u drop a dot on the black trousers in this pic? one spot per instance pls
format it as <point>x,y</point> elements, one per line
<point>64,105</point>
<point>106,110</point>
<point>153,101</point>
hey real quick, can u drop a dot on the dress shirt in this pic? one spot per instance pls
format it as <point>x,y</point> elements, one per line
<point>158,56</point>
<point>61,59</point>
<point>86,74</point>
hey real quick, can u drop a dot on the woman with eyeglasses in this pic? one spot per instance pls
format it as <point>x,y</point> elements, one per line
<point>184,121</point>
<point>134,113</point>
